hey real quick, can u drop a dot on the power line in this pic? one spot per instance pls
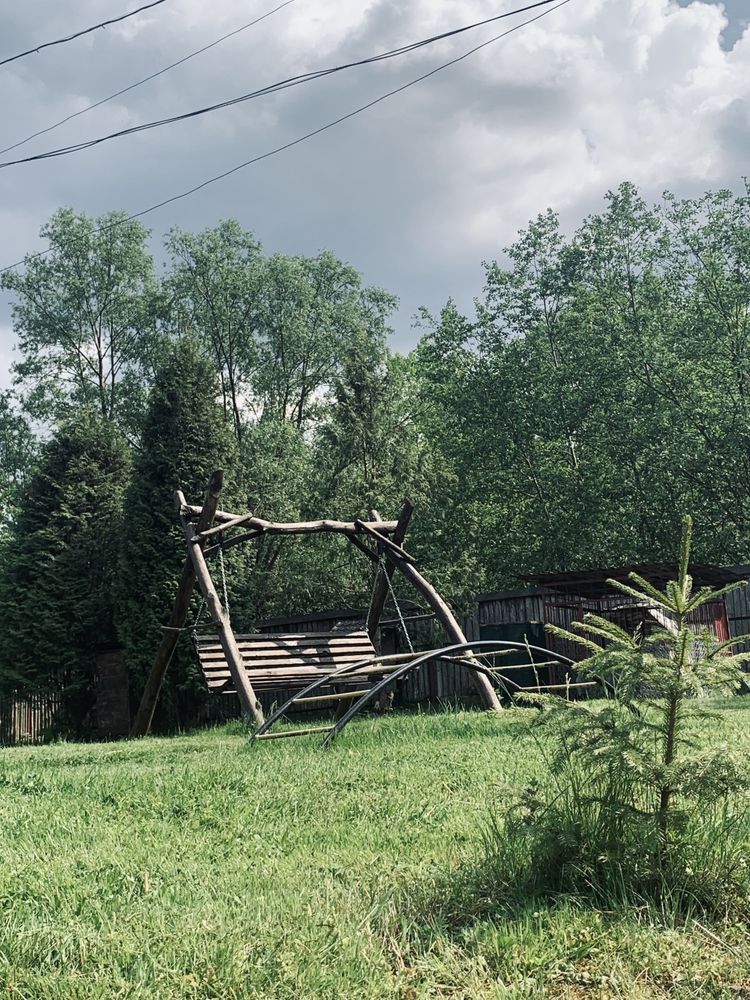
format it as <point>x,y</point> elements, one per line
<point>303,138</point>
<point>77,34</point>
<point>273,88</point>
<point>146,79</point>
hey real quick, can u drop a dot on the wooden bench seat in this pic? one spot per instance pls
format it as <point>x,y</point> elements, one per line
<point>275,662</point>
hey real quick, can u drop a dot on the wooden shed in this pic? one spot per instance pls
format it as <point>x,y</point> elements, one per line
<point>521,615</point>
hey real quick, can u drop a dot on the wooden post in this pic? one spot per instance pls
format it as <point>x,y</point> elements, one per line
<point>177,619</point>
<point>380,590</point>
<point>251,707</point>
<point>448,620</point>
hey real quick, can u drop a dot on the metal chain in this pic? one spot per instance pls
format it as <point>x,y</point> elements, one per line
<point>398,611</point>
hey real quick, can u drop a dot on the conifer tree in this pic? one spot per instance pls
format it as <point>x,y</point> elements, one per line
<point>632,804</point>
<point>186,437</point>
<point>57,584</point>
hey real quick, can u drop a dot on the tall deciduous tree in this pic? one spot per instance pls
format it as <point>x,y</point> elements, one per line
<point>17,452</point>
<point>214,289</point>
<point>278,328</point>
<point>57,584</point>
<point>83,317</point>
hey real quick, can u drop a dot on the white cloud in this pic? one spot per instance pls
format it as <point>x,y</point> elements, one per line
<point>415,192</point>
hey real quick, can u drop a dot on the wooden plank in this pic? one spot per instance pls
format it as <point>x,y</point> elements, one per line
<point>298,647</point>
<point>279,681</point>
<point>282,676</point>
<point>254,662</point>
<point>280,670</point>
<point>281,656</point>
<point>292,637</point>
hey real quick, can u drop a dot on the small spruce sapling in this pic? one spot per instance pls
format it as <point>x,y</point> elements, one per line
<point>630,780</point>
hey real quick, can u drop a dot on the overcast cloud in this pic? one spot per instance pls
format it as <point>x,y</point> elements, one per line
<point>416,192</point>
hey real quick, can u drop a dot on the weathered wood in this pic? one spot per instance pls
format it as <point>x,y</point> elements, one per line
<point>380,589</point>
<point>251,707</point>
<point>448,620</point>
<point>283,661</point>
<point>191,511</point>
<point>229,543</point>
<point>391,546</point>
<point>295,527</point>
<point>312,638</point>
<point>177,619</point>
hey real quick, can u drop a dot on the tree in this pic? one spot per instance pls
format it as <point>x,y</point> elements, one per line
<point>601,387</point>
<point>311,311</point>
<point>278,328</point>
<point>214,287</point>
<point>84,318</point>
<point>632,805</point>
<point>57,583</point>
<point>186,436</point>
<point>17,452</point>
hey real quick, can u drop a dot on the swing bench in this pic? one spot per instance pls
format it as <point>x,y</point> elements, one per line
<point>277,662</point>
<point>318,667</point>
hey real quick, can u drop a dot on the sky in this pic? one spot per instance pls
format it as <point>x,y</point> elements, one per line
<point>417,191</point>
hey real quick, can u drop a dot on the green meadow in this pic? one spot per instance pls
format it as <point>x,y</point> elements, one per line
<point>202,867</point>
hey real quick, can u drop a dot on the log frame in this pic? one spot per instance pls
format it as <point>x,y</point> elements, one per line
<point>251,708</point>
<point>197,526</point>
<point>165,652</point>
<point>380,588</point>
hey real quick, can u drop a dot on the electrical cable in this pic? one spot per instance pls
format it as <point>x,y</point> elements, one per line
<point>146,79</point>
<point>78,34</point>
<point>303,138</point>
<point>271,88</point>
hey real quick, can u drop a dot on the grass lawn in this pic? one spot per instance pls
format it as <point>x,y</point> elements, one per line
<point>202,867</point>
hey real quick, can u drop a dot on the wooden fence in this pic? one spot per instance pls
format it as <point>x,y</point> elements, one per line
<point>28,719</point>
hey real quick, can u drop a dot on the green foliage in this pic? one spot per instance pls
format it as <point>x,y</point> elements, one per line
<point>185,438</point>
<point>602,385</point>
<point>213,292</point>
<point>83,316</point>
<point>17,453</point>
<point>632,802</point>
<point>57,585</point>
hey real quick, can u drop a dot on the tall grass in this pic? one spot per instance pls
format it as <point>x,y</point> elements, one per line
<point>205,868</point>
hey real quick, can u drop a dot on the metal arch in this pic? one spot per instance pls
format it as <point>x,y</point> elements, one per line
<point>432,655</point>
<point>325,679</point>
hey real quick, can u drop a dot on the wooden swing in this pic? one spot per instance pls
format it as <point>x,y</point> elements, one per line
<point>242,664</point>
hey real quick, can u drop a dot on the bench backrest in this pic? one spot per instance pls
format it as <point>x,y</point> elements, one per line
<point>281,661</point>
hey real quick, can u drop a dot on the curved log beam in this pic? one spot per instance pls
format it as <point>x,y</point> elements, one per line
<point>448,620</point>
